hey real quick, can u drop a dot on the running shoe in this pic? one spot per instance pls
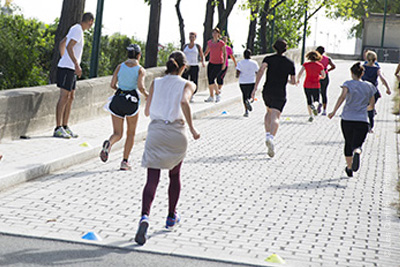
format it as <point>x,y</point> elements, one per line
<point>209,99</point>
<point>217,98</point>
<point>171,222</point>
<point>319,108</point>
<point>270,144</point>
<point>125,166</point>
<point>191,100</point>
<point>69,131</point>
<point>248,105</point>
<point>246,114</point>
<point>311,119</point>
<point>314,110</point>
<point>141,234</point>
<point>323,113</point>
<point>349,172</point>
<point>61,133</point>
<point>356,159</point>
<point>105,151</point>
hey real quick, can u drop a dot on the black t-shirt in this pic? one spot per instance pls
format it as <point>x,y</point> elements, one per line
<point>278,71</point>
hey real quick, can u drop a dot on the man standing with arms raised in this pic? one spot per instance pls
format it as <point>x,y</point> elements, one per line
<point>71,48</point>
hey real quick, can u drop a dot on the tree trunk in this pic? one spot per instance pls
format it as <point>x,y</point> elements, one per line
<point>223,21</point>
<point>221,11</point>
<point>252,29</point>
<point>208,22</point>
<point>263,27</point>
<point>153,34</point>
<point>181,24</point>
<point>72,11</point>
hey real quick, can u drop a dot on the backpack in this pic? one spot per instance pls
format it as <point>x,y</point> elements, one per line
<point>198,50</point>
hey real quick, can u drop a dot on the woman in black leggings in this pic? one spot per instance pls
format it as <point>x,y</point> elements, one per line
<point>358,95</point>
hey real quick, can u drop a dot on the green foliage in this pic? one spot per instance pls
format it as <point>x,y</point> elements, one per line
<point>26,47</point>
<point>164,52</point>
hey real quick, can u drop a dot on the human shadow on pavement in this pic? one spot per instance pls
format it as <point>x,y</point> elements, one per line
<point>56,257</point>
<point>262,156</point>
<point>313,184</point>
<point>325,143</point>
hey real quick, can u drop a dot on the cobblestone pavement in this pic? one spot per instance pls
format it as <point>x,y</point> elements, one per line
<point>236,203</point>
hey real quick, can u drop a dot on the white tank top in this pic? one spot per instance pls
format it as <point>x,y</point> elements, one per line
<point>192,55</point>
<point>167,96</point>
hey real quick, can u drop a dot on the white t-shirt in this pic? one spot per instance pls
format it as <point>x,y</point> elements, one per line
<point>248,69</point>
<point>192,55</point>
<point>167,96</point>
<point>76,34</point>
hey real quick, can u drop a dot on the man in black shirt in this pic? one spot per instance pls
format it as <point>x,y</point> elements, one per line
<point>278,69</point>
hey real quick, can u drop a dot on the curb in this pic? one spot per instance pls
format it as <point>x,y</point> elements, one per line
<point>48,167</point>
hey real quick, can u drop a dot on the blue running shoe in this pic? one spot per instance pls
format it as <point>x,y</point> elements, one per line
<point>171,222</point>
<point>141,234</point>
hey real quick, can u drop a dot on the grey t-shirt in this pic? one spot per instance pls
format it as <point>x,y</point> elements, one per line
<point>357,100</point>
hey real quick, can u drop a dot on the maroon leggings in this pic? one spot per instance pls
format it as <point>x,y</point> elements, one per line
<point>149,191</point>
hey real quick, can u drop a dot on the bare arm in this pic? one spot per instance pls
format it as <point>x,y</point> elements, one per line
<point>234,59</point>
<point>207,52</point>
<point>225,57</point>
<point>149,98</point>
<point>260,73</point>
<point>140,82</point>
<point>332,65</point>
<point>397,72</point>
<point>237,73</point>
<point>292,79</point>
<point>70,50</point>
<point>384,81</point>
<point>62,45</point>
<point>114,79</point>
<point>339,102</point>
<point>300,74</point>
<point>187,94</point>
<point>202,56</point>
<point>323,74</point>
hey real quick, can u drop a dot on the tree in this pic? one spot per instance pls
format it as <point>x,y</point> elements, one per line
<point>223,14</point>
<point>181,23</point>
<point>153,33</point>
<point>263,27</point>
<point>208,22</point>
<point>72,11</point>
<point>252,26</point>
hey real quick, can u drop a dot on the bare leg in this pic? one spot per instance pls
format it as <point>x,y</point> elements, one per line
<point>130,135</point>
<point>67,110</point>
<point>349,162</point>
<point>309,110</point>
<point>118,126</point>
<point>62,102</point>
<point>267,121</point>
<point>211,89</point>
<point>274,120</point>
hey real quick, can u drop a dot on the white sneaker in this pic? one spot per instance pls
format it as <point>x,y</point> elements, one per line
<point>217,98</point>
<point>209,99</point>
<point>270,144</point>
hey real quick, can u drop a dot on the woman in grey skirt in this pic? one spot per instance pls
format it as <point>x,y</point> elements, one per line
<point>166,142</point>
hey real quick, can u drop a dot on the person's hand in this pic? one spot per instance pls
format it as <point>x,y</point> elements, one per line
<point>331,115</point>
<point>223,66</point>
<point>398,77</point>
<point>297,82</point>
<point>78,70</point>
<point>388,92</point>
<point>195,134</point>
<point>253,94</point>
<point>204,65</point>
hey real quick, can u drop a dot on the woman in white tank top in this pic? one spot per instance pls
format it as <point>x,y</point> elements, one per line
<point>166,142</point>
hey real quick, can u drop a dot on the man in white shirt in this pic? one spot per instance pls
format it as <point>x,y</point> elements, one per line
<point>71,48</point>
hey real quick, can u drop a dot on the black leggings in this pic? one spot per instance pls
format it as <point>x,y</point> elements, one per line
<point>312,95</point>
<point>247,89</point>
<point>354,133</point>
<point>192,74</point>
<point>371,113</point>
<point>324,87</point>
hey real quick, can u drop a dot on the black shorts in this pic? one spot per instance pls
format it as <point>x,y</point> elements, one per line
<point>221,76</point>
<point>66,78</point>
<point>213,71</point>
<point>124,104</point>
<point>312,95</point>
<point>274,102</point>
<point>192,74</point>
<point>247,89</point>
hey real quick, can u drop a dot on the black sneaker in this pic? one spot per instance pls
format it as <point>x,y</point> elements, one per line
<point>248,105</point>
<point>140,237</point>
<point>349,172</point>
<point>356,159</point>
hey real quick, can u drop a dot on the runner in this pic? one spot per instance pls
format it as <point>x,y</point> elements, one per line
<point>166,143</point>
<point>279,67</point>
<point>358,95</point>
<point>127,79</point>
<point>246,71</point>
<point>371,74</point>
<point>193,52</point>
<point>71,48</point>
<point>314,72</point>
<point>229,53</point>
<point>217,50</point>
<point>397,74</point>
<point>325,61</point>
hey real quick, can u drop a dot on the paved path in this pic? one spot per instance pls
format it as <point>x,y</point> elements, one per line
<point>237,204</point>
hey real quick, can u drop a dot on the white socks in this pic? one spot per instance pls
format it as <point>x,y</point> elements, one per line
<point>269,136</point>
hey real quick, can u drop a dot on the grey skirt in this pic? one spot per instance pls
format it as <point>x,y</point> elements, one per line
<point>166,145</point>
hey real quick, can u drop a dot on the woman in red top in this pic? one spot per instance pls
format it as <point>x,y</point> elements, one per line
<point>217,50</point>
<point>314,72</point>
<point>325,61</point>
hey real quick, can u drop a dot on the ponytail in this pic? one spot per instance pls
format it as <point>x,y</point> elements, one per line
<point>175,62</point>
<point>357,69</point>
